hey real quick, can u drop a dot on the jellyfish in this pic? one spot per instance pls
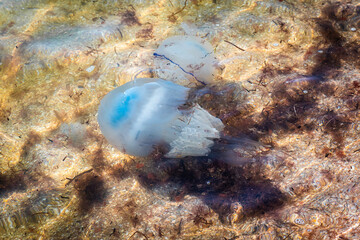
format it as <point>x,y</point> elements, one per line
<point>185,59</point>
<point>144,114</point>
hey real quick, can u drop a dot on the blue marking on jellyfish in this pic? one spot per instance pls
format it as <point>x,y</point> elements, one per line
<point>123,108</point>
<point>163,56</point>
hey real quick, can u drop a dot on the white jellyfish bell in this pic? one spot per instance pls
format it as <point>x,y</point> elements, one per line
<point>143,114</point>
<point>185,60</point>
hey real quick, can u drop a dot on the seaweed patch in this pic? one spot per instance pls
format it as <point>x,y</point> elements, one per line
<point>218,184</point>
<point>335,20</point>
<point>91,190</point>
<point>129,18</point>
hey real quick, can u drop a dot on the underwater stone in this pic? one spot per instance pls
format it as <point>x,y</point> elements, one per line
<point>55,42</point>
<point>144,114</point>
<point>183,59</point>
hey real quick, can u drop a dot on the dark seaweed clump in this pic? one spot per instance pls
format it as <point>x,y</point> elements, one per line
<point>218,184</point>
<point>336,19</point>
<point>91,191</point>
<point>14,181</point>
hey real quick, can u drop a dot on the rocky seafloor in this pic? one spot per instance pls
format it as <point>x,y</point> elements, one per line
<point>288,79</point>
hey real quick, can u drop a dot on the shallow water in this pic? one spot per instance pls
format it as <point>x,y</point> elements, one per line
<point>286,87</point>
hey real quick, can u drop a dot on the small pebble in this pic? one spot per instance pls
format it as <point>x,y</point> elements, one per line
<point>90,69</point>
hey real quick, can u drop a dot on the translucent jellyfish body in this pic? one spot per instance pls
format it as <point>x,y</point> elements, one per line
<point>143,114</point>
<point>185,59</point>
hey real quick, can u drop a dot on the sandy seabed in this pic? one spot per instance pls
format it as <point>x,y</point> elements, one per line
<point>287,79</point>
